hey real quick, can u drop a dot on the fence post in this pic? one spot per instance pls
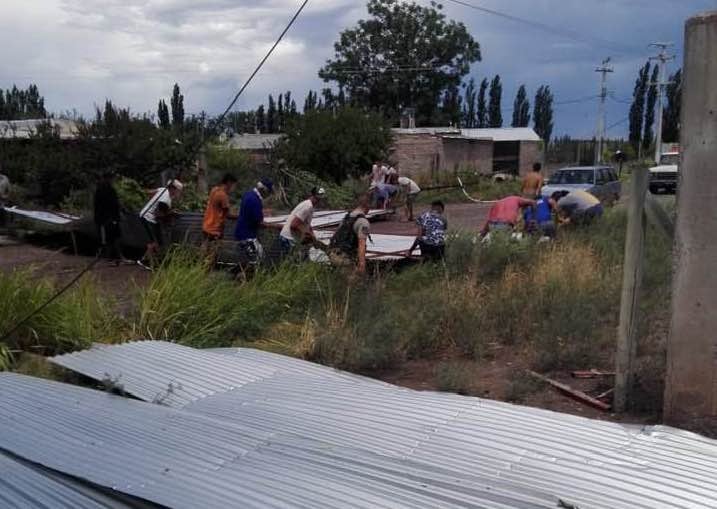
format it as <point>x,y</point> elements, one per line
<point>631,279</point>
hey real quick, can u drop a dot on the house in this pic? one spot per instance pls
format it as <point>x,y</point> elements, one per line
<point>257,145</point>
<point>436,149</point>
<point>25,129</point>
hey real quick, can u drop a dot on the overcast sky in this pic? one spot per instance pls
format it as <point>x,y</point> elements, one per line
<point>80,52</point>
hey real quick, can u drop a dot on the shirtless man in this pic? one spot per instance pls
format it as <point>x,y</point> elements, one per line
<point>532,183</point>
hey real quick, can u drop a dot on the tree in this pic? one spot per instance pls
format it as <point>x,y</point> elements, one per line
<point>310,101</point>
<point>271,126</point>
<point>521,109</point>
<point>637,109</point>
<point>495,116</point>
<point>403,55</point>
<point>16,104</point>
<point>469,104</point>
<point>673,109</point>
<point>648,136</point>
<point>163,115</point>
<point>260,119</point>
<point>280,113</point>
<point>335,145</point>
<point>177,104</point>
<point>482,108</point>
<point>543,113</point>
<point>451,107</point>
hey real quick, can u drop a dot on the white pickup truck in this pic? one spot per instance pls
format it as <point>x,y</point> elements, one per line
<point>663,177</point>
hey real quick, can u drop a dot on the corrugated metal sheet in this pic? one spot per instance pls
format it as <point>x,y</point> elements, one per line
<point>493,134</point>
<point>53,218</point>
<point>186,460</point>
<point>593,464</point>
<point>253,141</point>
<point>23,129</point>
<point>24,486</point>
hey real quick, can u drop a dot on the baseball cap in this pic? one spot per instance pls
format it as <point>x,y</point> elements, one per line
<point>267,183</point>
<point>318,191</point>
<point>175,184</point>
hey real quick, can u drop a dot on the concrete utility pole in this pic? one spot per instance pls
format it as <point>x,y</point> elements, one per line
<point>603,69</point>
<point>662,59</point>
<point>691,384</point>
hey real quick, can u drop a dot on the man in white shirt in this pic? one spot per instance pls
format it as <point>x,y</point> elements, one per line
<point>297,229</point>
<point>156,213</point>
<point>378,175</point>
<point>411,189</point>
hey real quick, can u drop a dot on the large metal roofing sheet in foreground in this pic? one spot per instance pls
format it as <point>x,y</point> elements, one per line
<point>186,460</point>
<point>591,463</point>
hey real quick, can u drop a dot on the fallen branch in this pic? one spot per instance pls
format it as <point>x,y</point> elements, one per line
<point>575,394</point>
<point>593,373</point>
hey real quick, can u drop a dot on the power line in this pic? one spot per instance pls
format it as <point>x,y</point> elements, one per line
<point>624,120</point>
<point>566,33</point>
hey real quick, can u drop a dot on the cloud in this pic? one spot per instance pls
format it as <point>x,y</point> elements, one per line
<point>80,52</point>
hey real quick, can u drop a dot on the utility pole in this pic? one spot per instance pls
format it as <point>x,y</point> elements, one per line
<point>603,69</point>
<point>662,58</point>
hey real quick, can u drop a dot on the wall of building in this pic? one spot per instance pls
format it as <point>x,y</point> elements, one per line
<point>417,154</point>
<point>529,153</point>
<point>461,153</point>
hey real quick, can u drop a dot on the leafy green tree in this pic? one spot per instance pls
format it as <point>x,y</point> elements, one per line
<point>403,55</point>
<point>260,119</point>
<point>648,136</point>
<point>177,104</point>
<point>280,113</point>
<point>637,109</point>
<point>469,104</point>
<point>495,115</point>
<point>16,104</point>
<point>482,108</point>
<point>451,107</point>
<point>521,108</point>
<point>673,109</point>
<point>543,113</point>
<point>335,145</point>
<point>271,119</point>
<point>310,101</point>
<point>163,115</point>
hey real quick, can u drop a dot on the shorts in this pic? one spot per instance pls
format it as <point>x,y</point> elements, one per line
<point>109,232</point>
<point>154,231</point>
<point>432,252</point>
<point>499,226</point>
<point>411,198</point>
<point>588,215</point>
<point>250,251</point>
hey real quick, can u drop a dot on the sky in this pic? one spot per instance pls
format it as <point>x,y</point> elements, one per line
<point>81,52</point>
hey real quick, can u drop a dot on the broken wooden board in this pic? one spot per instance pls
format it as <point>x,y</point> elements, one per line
<point>573,393</point>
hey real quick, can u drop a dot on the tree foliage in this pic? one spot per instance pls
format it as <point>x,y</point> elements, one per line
<point>521,108</point>
<point>495,115</point>
<point>648,136</point>
<point>469,104</point>
<point>16,104</point>
<point>335,145</point>
<point>543,113</point>
<point>403,55</point>
<point>163,115</point>
<point>177,108</point>
<point>673,109</point>
<point>637,109</point>
<point>482,108</point>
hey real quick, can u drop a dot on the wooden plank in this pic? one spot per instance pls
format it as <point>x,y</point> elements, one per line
<point>592,373</point>
<point>573,393</point>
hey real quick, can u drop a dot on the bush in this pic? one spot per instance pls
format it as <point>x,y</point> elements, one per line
<point>455,376</point>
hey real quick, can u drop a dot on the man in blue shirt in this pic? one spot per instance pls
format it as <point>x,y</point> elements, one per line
<point>251,218</point>
<point>539,218</point>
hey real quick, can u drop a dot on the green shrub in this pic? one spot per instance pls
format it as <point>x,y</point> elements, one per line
<point>131,195</point>
<point>455,376</point>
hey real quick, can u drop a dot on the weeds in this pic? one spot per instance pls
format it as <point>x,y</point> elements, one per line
<point>455,376</point>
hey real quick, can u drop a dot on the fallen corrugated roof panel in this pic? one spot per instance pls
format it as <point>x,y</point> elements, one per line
<point>590,463</point>
<point>54,218</point>
<point>381,247</point>
<point>184,459</point>
<point>25,486</point>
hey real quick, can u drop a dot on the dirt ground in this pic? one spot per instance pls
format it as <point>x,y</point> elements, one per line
<point>463,216</point>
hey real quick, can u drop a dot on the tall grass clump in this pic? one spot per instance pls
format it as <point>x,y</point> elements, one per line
<point>188,303</point>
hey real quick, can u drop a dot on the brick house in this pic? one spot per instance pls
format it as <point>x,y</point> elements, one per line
<point>421,151</point>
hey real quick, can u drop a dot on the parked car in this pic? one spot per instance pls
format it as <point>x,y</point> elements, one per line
<point>663,177</point>
<point>600,181</point>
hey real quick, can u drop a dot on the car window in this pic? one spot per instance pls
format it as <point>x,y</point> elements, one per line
<point>601,176</point>
<point>562,177</point>
<point>612,174</point>
<point>670,159</point>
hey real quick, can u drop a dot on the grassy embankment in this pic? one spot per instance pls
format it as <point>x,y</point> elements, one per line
<point>554,305</point>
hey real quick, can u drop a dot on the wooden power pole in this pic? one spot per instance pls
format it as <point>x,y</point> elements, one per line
<point>631,280</point>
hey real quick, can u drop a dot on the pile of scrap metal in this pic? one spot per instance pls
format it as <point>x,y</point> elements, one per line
<point>244,428</point>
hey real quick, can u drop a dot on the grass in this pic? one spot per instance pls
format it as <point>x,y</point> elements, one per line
<point>455,376</point>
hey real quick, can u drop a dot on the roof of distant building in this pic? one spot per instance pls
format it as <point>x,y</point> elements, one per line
<point>23,129</point>
<point>253,141</point>
<point>491,134</point>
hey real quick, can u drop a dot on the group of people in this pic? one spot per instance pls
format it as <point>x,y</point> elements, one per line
<point>385,184</point>
<point>540,214</point>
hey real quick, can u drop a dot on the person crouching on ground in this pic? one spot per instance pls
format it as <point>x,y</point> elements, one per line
<point>412,190</point>
<point>156,216</point>
<point>348,244</point>
<point>432,226</point>
<point>576,207</point>
<point>217,210</point>
<point>297,230</point>
<point>251,218</point>
<point>539,219</point>
<point>505,214</point>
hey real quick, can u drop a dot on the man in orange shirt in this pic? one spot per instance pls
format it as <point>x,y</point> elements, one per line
<point>217,209</point>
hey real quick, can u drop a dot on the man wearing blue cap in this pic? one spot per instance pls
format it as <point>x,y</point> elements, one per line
<point>251,218</point>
